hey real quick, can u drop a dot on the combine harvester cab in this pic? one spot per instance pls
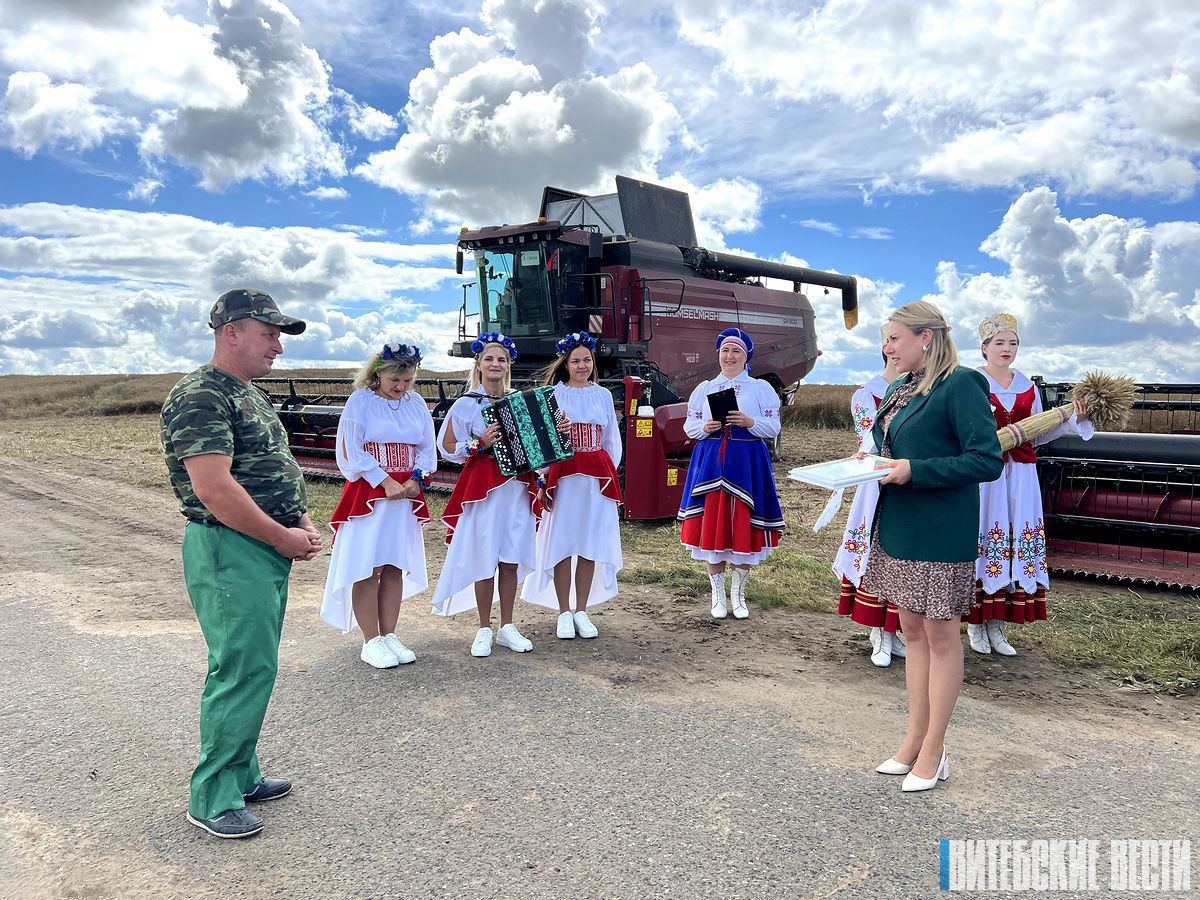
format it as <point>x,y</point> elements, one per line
<point>1125,506</point>
<point>626,268</point>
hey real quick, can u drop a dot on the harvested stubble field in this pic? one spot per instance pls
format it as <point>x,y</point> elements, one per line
<point>107,426</point>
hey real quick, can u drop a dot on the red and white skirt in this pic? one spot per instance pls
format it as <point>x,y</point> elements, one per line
<point>723,533</point>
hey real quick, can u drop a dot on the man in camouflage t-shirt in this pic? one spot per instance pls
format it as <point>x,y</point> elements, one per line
<point>243,496</point>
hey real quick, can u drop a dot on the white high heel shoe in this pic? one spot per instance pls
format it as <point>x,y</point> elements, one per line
<point>913,782</point>
<point>893,767</point>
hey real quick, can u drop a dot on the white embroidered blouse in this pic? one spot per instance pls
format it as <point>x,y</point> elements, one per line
<point>376,435</point>
<point>756,398</point>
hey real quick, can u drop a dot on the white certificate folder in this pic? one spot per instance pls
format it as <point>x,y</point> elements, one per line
<point>842,473</point>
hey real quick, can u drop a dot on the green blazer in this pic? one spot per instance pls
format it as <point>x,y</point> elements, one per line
<point>949,438</point>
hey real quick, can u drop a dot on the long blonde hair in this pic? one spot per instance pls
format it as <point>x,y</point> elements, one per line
<point>941,358</point>
<point>367,378</point>
<point>477,373</point>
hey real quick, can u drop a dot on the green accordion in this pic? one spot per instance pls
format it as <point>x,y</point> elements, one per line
<point>529,435</point>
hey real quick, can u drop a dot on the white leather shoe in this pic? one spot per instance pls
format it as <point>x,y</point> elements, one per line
<point>584,627</point>
<point>891,766</point>
<point>998,639</point>
<point>737,594</point>
<point>977,637</point>
<point>898,648</point>
<point>566,626</point>
<point>376,653</point>
<point>881,648</point>
<point>403,655</point>
<point>914,783</point>
<point>719,609</point>
<point>512,639</point>
<point>482,645</point>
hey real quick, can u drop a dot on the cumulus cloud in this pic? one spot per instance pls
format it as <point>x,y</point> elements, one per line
<point>133,289</point>
<point>993,93</point>
<point>274,130</point>
<point>326,192</point>
<point>39,113</point>
<point>499,114</point>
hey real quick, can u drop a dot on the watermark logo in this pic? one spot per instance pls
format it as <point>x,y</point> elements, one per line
<point>1065,865</point>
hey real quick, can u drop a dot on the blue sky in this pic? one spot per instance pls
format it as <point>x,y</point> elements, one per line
<point>1023,156</point>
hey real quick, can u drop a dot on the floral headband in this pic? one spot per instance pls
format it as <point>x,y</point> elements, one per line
<point>578,339</point>
<point>494,337</point>
<point>394,352</point>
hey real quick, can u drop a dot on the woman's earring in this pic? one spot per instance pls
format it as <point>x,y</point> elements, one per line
<point>924,348</point>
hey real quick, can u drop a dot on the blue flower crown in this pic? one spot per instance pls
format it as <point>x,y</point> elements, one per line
<point>494,337</point>
<point>578,339</point>
<point>395,352</point>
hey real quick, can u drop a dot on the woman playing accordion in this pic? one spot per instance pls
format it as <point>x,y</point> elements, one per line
<point>730,511</point>
<point>490,518</point>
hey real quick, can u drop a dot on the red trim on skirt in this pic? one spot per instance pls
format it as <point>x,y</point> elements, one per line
<point>866,608</point>
<point>479,477</point>
<point>1016,606</point>
<point>359,498</point>
<point>725,525</point>
<point>593,463</point>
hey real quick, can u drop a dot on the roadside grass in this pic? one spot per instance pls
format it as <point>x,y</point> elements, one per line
<point>1147,638</point>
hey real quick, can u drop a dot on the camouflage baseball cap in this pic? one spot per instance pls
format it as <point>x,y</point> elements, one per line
<point>247,304</point>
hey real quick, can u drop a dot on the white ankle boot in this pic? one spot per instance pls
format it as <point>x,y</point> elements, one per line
<point>977,637</point>
<point>881,648</point>
<point>898,648</point>
<point>737,593</point>
<point>998,639</point>
<point>719,609</point>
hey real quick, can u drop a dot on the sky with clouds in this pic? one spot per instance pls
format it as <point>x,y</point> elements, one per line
<point>1035,156</point>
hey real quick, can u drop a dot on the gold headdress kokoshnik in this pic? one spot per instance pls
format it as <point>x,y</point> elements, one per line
<point>996,323</point>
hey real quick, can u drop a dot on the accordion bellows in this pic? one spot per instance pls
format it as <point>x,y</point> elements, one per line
<point>529,435</point>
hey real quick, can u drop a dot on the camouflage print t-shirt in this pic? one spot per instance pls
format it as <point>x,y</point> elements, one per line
<point>211,411</point>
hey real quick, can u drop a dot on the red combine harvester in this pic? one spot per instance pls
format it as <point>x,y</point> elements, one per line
<point>1125,506</point>
<point>626,268</point>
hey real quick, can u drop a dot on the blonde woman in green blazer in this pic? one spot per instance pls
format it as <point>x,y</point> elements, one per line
<point>936,425</point>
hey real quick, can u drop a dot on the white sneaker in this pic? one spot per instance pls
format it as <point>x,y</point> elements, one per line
<point>403,654</point>
<point>566,626</point>
<point>584,626</point>
<point>512,639</point>
<point>977,637</point>
<point>881,648</point>
<point>376,653</point>
<point>898,648</point>
<point>482,645</point>
<point>998,639</point>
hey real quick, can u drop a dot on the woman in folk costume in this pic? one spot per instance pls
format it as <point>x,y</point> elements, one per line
<point>385,451</point>
<point>490,519</point>
<point>1011,570</point>
<point>730,511</point>
<point>579,538</point>
<point>935,426</point>
<point>864,608</point>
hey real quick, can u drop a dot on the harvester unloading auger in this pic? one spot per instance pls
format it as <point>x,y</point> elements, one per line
<point>626,268</point>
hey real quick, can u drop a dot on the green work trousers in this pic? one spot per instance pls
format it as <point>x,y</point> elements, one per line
<point>238,588</point>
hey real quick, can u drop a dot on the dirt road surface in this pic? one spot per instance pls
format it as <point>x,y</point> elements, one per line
<point>672,757</point>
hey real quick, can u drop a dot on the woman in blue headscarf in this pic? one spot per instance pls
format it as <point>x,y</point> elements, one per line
<point>730,510</point>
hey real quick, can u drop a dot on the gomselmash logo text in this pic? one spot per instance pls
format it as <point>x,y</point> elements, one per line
<point>1066,865</point>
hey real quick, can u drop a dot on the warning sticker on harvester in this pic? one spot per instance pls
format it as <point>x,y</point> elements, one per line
<point>672,477</point>
<point>645,428</point>
<point>633,405</point>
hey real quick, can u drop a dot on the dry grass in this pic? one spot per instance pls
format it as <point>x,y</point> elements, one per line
<point>820,406</point>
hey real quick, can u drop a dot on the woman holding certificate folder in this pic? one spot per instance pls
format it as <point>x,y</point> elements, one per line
<point>730,511</point>
<point>935,425</point>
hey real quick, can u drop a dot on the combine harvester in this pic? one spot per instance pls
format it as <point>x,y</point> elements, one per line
<point>1125,506</point>
<point>626,268</point>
